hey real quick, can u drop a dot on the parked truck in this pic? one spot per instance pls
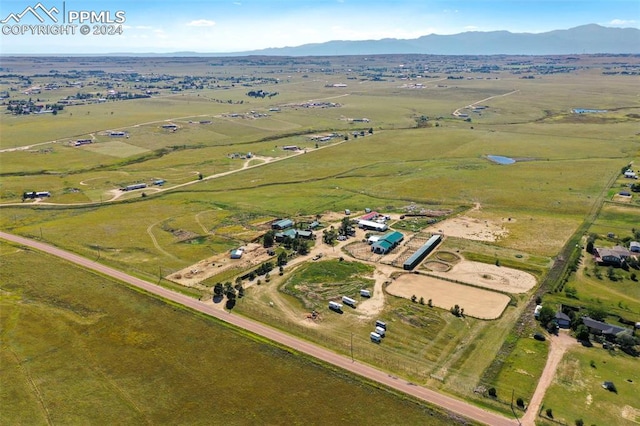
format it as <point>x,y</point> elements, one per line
<point>335,306</point>
<point>349,301</point>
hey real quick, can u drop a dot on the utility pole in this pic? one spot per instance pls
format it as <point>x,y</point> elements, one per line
<point>512,409</point>
<point>352,347</point>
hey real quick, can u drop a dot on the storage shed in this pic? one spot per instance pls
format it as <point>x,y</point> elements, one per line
<point>422,252</point>
<point>282,224</point>
<point>372,226</point>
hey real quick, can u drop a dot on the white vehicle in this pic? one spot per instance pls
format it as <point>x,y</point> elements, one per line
<point>349,301</point>
<point>335,306</point>
<point>375,337</point>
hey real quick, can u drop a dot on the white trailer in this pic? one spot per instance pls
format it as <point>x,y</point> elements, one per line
<point>372,226</point>
<point>335,306</point>
<point>381,324</point>
<point>381,331</point>
<point>375,337</point>
<point>365,293</point>
<point>349,301</point>
<point>536,311</point>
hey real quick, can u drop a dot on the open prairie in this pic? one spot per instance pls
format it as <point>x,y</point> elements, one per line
<point>79,348</point>
<point>164,174</point>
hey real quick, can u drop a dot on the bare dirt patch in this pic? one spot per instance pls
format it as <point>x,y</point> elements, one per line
<point>622,198</point>
<point>490,276</point>
<point>253,255</point>
<point>437,266</point>
<point>476,302</point>
<point>469,228</point>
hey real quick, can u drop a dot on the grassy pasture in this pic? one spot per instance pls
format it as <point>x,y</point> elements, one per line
<point>316,283</point>
<point>577,392</point>
<point>80,348</point>
<point>574,157</point>
<point>428,345</point>
<point>522,369</point>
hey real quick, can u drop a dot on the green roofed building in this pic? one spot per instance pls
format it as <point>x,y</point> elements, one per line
<point>387,242</point>
<point>282,224</point>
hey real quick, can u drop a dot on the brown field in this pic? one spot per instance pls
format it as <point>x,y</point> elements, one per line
<point>489,276</point>
<point>254,254</point>
<point>469,228</point>
<point>478,303</point>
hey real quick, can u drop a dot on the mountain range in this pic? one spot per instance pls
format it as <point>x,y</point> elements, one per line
<point>585,39</point>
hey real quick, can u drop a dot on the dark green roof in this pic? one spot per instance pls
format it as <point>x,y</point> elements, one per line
<point>393,237</point>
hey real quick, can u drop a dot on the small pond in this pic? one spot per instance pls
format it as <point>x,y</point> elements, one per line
<point>500,159</point>
<point>587,111</point>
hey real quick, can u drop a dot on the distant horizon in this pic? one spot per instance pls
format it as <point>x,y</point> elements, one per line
<point>232,27</point>
<point>256,52</point>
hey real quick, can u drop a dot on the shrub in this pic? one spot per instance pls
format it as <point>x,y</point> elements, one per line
<point>492,393</point>
<point>456,310</point>
<point>549,413</point>
<point>579,422</point>
<point>520,402</point>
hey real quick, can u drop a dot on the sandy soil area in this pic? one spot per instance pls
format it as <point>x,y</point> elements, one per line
<point>469,228</point>
<point>490,276</point>
<point>476,302</point>
<point>190,276</point>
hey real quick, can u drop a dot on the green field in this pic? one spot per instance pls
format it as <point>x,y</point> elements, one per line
<point>577,391</point>
<point>79,348</point>
<point>410,153</point>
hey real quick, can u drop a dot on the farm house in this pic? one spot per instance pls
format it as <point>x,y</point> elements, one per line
<point>369,216</point>
<point>422,252</point>
<point>387,242</point>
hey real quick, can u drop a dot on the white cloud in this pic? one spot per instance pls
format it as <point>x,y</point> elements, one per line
<point>201,23</point>
<point>622,22</point>
<point>471,28</point>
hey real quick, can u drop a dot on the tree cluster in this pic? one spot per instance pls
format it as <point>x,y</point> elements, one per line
<point>261,94</point>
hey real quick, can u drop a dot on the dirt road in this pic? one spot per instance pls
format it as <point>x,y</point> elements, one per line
<point>559,345</point>
<point>456,406</point>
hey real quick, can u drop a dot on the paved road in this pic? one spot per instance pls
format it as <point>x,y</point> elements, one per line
<point>430,396</point>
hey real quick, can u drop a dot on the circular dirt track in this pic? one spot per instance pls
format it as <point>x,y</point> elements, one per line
<point>437,266</point>
<point>476,302</point>
<point>490,276</point>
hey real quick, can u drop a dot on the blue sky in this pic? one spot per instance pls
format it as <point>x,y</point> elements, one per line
<point>240,25</point>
